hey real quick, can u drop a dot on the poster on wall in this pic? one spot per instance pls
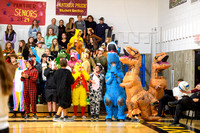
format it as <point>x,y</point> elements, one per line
<point>22,12</point>
<point>174,3</point>
<point>71,7</point>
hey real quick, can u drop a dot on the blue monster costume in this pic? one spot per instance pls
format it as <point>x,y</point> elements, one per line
<point>115,95</point>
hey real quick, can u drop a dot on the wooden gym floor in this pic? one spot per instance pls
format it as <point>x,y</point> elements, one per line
<point>46,125</point>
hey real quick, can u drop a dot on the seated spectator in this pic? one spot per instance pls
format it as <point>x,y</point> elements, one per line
<point>63,42</point>
<point>100,30</point>
<point>38,37</point>
<point>42,40</point>
<point>80,24</point>
<point>23,49</point>
<point>177,95</point>
<point>53,26</point>
<point>92,35</point>
<point>61,30</point>
<point>40,50</point>
<point>93,44</point>
<point>10,35</point>
<point>70,28</point>
<point>50,91</point>
<point>31,43</point>
<point>49,37</point>
<point>101,59</point>
<point>187,103</point>
<point>34,29</point>
<point>55,48</point>
<point>7,51</point>
<point>90,23</point>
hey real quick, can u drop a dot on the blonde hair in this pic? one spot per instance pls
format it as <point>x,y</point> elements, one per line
<point>54,47</point>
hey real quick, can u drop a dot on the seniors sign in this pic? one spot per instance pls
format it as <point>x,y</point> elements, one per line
<point>22,12</point>
<point>71,7</point>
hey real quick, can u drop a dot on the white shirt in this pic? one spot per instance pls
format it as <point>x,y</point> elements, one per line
<point>18,85</point>
<point>44,66</point>
<point>96,85</point>
<point>176,92</point>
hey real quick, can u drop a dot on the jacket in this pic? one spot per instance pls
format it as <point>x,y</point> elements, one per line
<point>49,73</point>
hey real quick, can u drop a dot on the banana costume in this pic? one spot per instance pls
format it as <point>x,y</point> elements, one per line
<point>79,88</point>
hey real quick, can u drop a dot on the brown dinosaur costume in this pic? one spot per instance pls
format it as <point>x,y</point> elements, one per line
<point>138,100</point>
<point>158,82</point>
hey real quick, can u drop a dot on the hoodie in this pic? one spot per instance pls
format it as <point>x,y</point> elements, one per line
<point>73,62</point>
<point>76,37</point>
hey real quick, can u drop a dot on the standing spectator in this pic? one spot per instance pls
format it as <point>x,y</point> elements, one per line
<point>50,91</point>
<point>90,23</point>
<point>38,37</point>
<point>61,29</point>
<point>5,91</point>
<point>101,59</point>
<point>23,49</point>
<point>34,29</point>
<point>63,79</point>
<point>91,35</point>
<point>29,78</point>
<point>40,50</point>
<point>55,48</point>
<point>53,26</point>
<point>31,42</point>
<point>7,51</point>
<point>80,24</point>
<point>49,37</point>
<point>10,35</point>
<point>100,30</point>
<point>70,28</point>
<point>63,42</point>
<point>41,78</point>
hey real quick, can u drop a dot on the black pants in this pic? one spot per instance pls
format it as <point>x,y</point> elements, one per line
<point>4,130</point>
<point>186,103</point>
<point>164,101</point>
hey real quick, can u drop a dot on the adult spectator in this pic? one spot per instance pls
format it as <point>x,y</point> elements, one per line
<point>49,37</point>
<point>80,24</point>
<point>10,35</point>
<point>90,23</point>
<point>53,26</point>
<point>23,49</point>
<point>100,30</point>
<point>34,29</point>
<point>61,29</point>
<point>70,28</point>
<point>5,91</point>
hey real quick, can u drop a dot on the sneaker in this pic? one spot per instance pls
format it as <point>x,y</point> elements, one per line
<point>35,117</point>
<point>92,117</point>
<point>27,116</point>
<point>48,116</point>
<point>56,118</point>
<point>66,118</point>
<point>84,117</point>
<point>74,117</point>
<point>155,103</point>
<point>97,117</point>
<point>135,120</point>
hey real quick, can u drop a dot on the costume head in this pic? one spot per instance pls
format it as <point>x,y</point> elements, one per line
<point>84,56</point>
<point>77,32</point>
<point>160,61</point>
<point>21,64</point>
<point>62,54</point>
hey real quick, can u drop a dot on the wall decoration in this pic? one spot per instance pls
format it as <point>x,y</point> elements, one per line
<point>22,12</point>
<point>174,3</point>
<point>71,7</point>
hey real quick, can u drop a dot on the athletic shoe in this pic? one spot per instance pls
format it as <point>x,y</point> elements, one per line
<point>97,117</point>
<point>27,116</point>
<point>92,117</point>
<point>56,118</point>
<point>49,116</point>
<point>66,118</point>
<point>84,117</point>
<point>155,103</point>
<point>135,120</point>
<point>35,117</point>
<point>74,117</point>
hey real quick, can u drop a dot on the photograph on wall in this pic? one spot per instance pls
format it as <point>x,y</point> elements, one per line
<point>71,7</point>
<point>22,12</point>
<point>174,3</point>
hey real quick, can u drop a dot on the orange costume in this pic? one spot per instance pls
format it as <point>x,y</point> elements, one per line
<point>78,47</point>
<point>138,100</point>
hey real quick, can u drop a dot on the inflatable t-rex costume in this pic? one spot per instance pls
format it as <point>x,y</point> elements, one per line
<point>115,95</point>
<point>138,100</point>
<point>158,82</point>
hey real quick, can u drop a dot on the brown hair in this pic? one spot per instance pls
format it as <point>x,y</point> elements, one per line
<point>179,80</point>
<point>36,24</point>
<point>21,49</point>
<point>28,44</point>
<point>7,30</point>
<point>91,30</point>
<point>6,45</point>
<point>79,15</point>
<point>6,80</point>
<point>38,33</point>
<point>53,34</point>
<point>54,47</point>
<point>63,63</point>
<point>90,16</point>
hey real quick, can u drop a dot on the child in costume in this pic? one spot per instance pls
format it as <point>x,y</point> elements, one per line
<point>79,89</point>
<point>96,88</point>
<point>18,96</point>
<point>73,60</point>
<point>63,79</point>
<point>77,36</point>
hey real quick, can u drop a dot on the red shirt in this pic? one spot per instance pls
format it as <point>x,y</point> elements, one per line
<point>30,83</point>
